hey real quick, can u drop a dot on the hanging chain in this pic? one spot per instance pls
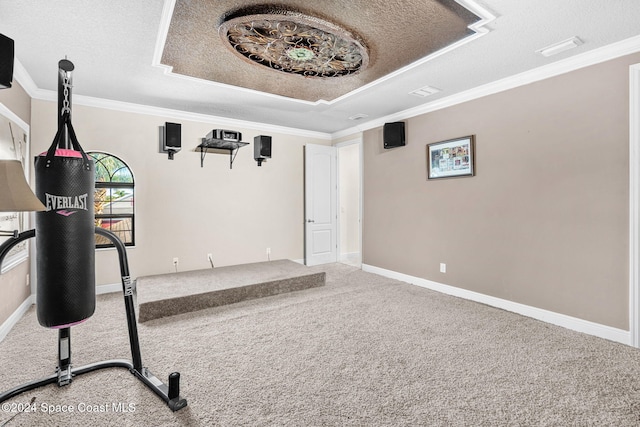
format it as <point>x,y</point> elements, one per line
<point>66,107</point>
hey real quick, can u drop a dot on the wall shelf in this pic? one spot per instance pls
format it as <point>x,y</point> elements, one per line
<point>220,144</point>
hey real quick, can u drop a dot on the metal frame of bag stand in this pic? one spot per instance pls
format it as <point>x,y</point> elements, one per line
<point>65,372</point>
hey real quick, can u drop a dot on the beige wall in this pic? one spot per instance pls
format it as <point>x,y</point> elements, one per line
<point>349,176</point>
<point>183,210</point>
<point>13,284</point>
<point>545,220</point>
<point>348,138</point>
<point>17,100</point>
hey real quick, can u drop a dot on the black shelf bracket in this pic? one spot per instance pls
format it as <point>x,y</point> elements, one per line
<point>220,144</point>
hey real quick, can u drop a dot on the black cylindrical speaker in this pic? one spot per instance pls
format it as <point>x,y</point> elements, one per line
<point>65,235</point>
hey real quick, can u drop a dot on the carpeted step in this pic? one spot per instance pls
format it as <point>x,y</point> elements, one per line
<point>165,295</point>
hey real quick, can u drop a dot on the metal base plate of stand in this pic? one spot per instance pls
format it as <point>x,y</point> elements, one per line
<point>175,402</point>
<point>65,372</point>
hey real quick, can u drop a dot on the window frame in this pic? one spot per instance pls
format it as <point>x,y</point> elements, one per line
<point>115,185</point>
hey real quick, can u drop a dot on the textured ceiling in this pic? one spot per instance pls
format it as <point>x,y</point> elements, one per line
<point>117,47</point>
<point>396,38</point>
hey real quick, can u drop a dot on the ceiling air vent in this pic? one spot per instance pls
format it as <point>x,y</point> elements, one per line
<point>358,116</point>
<point>560,46</point>
<point>425,91</point>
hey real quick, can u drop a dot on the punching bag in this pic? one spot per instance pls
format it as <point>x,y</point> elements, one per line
<point>65,233</point>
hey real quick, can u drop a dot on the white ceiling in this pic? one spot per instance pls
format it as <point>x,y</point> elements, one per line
<point>116,45</point>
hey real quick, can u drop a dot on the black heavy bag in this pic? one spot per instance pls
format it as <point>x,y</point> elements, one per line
<point>65,233</point>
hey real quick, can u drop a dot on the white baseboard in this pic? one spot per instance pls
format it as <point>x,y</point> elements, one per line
<point>107,289</point>
<point>350,256</point>
<point>16,316</point>
<point>573,323</point>
<point>20,311</point>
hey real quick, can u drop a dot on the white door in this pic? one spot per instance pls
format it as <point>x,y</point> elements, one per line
<point>320,204</point>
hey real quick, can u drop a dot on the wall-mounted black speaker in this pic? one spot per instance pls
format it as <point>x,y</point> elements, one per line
<point>393,134</point>
<point>6,61</point>
<point>261,148</point>
<point>171,138</point>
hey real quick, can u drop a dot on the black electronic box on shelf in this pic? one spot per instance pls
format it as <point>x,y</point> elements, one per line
<point>225,135</point>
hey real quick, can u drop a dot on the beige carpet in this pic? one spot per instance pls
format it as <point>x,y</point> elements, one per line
<point>165,295</point>
<point>362,351</point>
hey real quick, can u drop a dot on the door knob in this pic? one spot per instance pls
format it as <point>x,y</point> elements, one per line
<point>310,220</point>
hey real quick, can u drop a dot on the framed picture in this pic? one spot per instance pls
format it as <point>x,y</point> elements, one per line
<point>451,158</point>
<point>14,139</point>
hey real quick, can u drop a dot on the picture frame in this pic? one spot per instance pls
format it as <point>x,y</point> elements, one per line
<point>14,145</point>
<point>451,158</point>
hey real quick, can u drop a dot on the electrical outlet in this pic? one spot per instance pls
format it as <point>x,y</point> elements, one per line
<point>443,267</point>
<point>268,251</point>
<point>175,261</point>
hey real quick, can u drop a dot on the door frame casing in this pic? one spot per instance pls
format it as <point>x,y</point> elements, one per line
<point>358,141</point>
<point>634,205</point>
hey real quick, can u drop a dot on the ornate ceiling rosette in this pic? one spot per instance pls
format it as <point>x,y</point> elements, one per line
<point>292,42</point>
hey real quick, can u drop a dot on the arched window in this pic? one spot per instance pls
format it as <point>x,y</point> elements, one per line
<point>114,198</point>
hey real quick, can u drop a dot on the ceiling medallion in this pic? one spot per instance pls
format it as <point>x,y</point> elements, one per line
<point>294,43</point>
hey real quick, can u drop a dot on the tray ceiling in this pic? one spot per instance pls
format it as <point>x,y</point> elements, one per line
<point>196,46</point>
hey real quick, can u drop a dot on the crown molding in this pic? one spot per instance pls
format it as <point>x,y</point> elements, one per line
<point>47,95</point>
<point>163,31</point>
<point>108,104</point>
<point>593,57</point>
<point>21,75</point>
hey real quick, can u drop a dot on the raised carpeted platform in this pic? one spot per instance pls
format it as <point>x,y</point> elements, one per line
<point>165,295</point>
